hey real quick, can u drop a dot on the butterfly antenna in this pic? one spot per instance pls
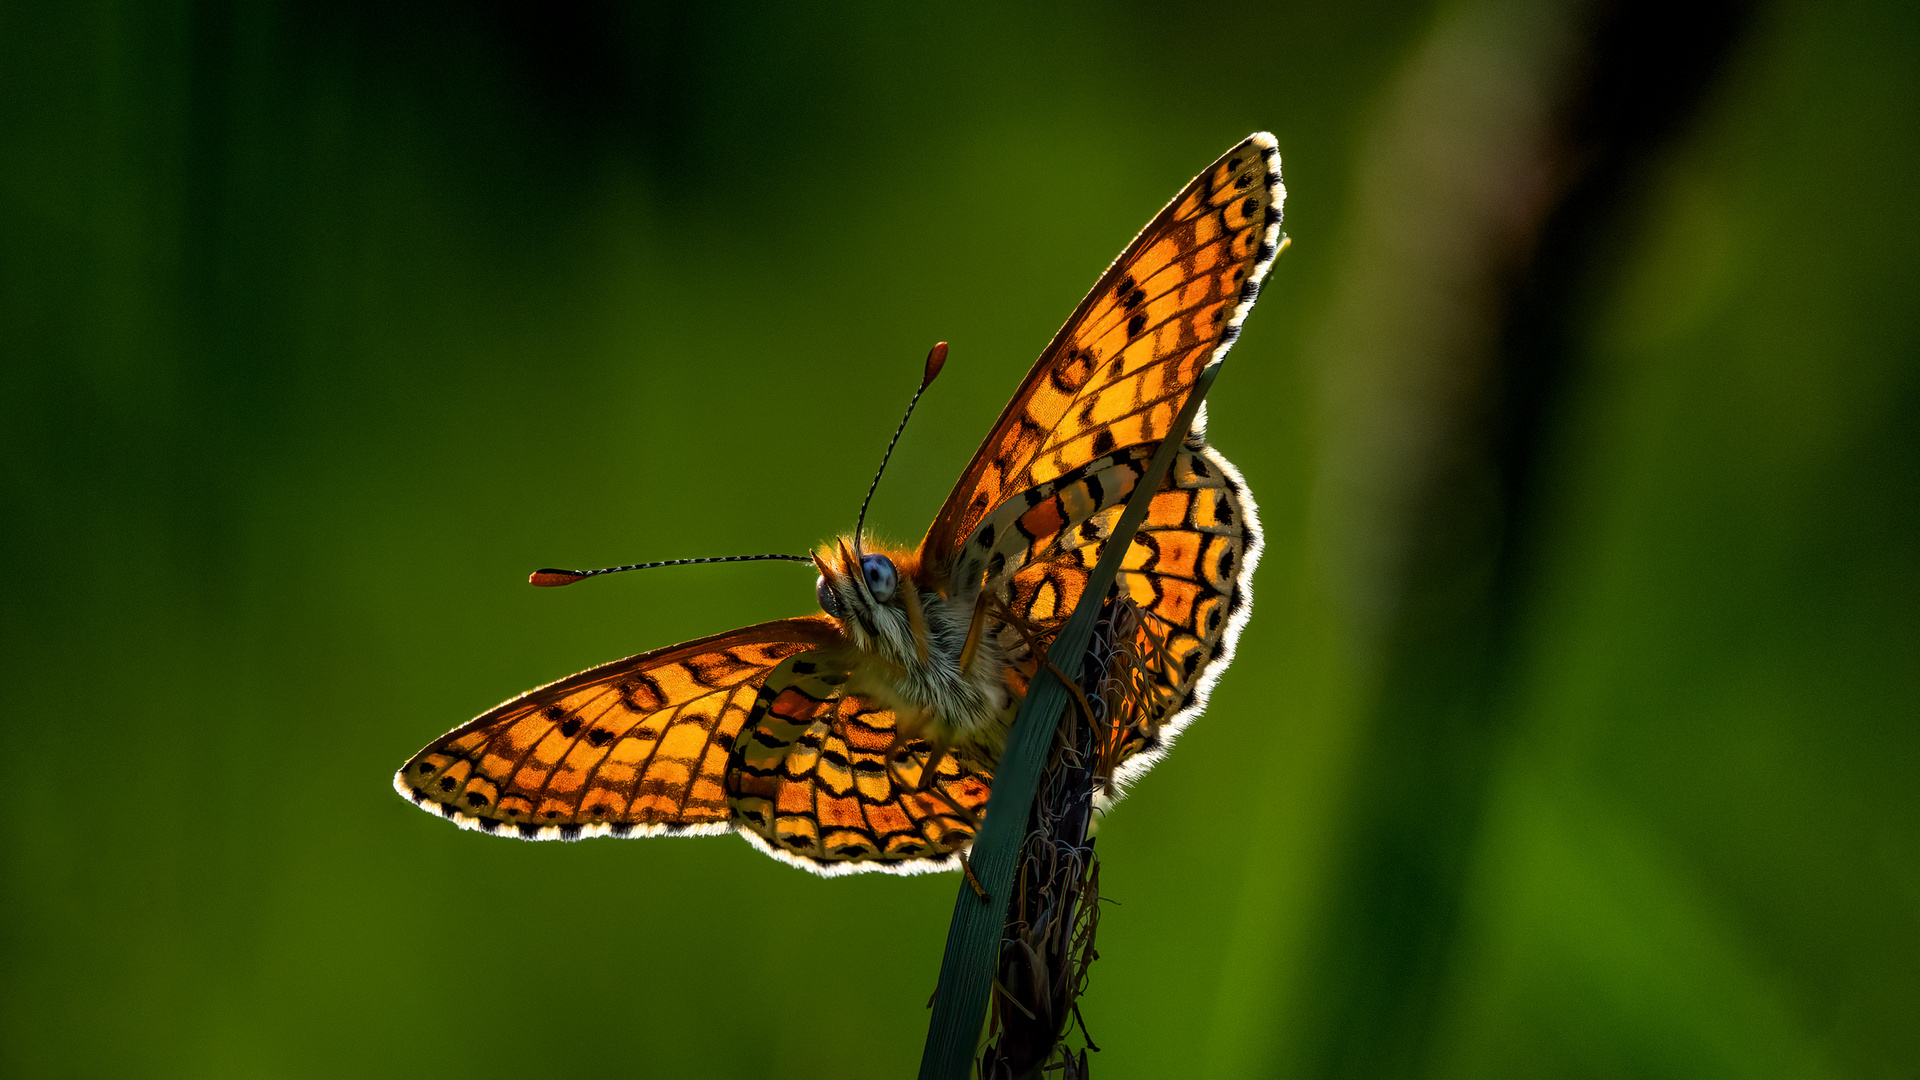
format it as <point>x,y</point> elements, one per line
<point>936,358</point>
<point>551,578</point>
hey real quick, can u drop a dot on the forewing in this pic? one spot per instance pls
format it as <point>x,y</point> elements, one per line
<point>824,781</point>
<point>1117,373</point>
<point>636,747</point>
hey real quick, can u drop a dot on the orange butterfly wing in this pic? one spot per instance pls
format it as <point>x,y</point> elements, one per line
<point>636,747</point>
<point>1117,373</point>
<point>824,781</point>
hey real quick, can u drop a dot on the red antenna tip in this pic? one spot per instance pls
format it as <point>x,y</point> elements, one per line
<point>548,579</point>
<point>935,359</point>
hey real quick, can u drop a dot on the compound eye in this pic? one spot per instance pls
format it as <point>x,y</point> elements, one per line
<point>829,600</point>
<point>881,576</point>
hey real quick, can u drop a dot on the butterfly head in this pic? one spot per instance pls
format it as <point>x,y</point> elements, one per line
<point>875,596</point>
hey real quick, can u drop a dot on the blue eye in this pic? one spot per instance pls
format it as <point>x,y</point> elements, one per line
<point>882,579</point>
<point>829,600</point>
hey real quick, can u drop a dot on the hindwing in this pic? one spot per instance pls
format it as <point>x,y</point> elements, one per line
<point>825,780</point>
<point>1189,571</point>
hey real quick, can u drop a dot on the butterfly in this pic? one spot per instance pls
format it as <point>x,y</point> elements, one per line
<point>864,737</point>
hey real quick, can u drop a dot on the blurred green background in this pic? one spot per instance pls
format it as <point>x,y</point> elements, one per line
<point>1576,732</point>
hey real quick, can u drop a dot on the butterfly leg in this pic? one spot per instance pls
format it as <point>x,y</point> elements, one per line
<point>926,785</point>
<point>966,867</point>
<point>910,727</point>
<point>974,628</point>
<point>1037,648</point>
<point>931,769</point>
<point>1031,635</point>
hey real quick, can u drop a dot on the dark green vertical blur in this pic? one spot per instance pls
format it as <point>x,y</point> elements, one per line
<point>321,325</point>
